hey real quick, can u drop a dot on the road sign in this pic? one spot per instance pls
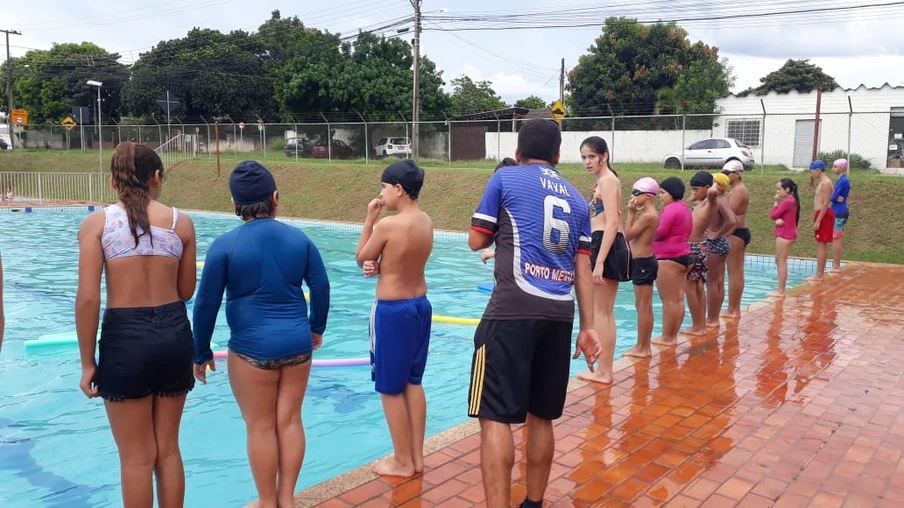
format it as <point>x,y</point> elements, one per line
<point>20,116</point>
<point>242,126</point>
<point>167,103</point>
<point>260,126</point>
<point>68,123</point>
<point>558,110</point>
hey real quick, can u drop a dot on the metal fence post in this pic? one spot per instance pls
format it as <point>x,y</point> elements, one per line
<point>366,144</point>
<point>763,140</point>
<point>683,142</point>
<point>850,119</point>
<point>329,139</point>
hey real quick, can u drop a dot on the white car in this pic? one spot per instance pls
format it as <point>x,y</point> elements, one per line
<point>5,143</point>
<point>712,153</point>
<point>399,147</point>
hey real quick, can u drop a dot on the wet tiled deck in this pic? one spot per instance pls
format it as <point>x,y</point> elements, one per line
<point>798,404</point>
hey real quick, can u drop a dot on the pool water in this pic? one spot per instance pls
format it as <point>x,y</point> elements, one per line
<point>55,445</point>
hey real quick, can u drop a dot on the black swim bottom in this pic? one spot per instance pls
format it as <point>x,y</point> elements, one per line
<point>743,234</point>
<point>617,265</point>
<point>684,260</point>
<point>644,271</point>
<point>145,351</point>
<point>520,367</point>
<point>274,364</point>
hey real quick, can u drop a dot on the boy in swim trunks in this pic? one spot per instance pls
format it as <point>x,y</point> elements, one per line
<point>400,320</point>
<point>718,245</point>
<point>705,197</point>
<point>640,229</point>
<point>840,209</point>
<point>738,200</point>
<point>823,217</point>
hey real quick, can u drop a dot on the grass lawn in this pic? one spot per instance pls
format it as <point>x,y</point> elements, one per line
<point>341,190</point>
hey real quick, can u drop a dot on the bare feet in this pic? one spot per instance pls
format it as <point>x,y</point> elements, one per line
<point>694,331</point>
<point>779,294</point>
<point>713,324</point>
<point>814,278</point>
<point>662,341</point>
<point>595,377</point>
<point>731,314</point>
<point>419,465</point>
<point>638,352</point>
<point>389,466</point>
<point>833,270</point>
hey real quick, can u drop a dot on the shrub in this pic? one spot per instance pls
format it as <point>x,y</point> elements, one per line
<point>855,160</point>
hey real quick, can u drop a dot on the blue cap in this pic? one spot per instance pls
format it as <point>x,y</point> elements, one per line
<point>251,183</point>
<point>407,174</point>
<point>817,165</point>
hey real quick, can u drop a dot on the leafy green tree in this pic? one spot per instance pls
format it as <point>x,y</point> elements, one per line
<point>469,97</point>
<point>371,76</point>
<point>48,83</point>
<point>531,102</point>
<point>630,64</point>
<point>209,72</point>
<point>798,75</point>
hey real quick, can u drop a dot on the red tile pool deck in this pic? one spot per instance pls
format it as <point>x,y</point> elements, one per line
<point>797,404</point>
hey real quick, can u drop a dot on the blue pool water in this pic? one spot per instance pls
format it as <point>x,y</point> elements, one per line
<point>56,448</point>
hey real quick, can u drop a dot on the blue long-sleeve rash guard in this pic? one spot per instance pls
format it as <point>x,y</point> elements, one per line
<point>261,265</point>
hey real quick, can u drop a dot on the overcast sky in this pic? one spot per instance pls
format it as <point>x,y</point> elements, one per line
<point>855,46</point>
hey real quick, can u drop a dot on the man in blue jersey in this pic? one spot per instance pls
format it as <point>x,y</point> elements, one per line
<point>522,346</point>
<point>840,208</point>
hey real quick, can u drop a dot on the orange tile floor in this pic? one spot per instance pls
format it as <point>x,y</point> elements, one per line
<point>798,404</point>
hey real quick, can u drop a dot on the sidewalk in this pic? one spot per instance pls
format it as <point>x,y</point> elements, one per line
<point>798,404</point>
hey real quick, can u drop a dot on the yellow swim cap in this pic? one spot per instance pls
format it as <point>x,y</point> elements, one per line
<point>721,180</point>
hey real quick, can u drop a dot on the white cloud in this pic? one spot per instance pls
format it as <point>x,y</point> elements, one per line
<point>510,86</point>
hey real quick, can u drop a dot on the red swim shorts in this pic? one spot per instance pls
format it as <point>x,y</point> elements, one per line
<point>826,227</point>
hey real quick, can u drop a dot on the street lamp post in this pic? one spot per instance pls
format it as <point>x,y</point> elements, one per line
<point>100,137</point>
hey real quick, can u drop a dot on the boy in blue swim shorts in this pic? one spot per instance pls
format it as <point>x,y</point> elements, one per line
<point>397,250</point>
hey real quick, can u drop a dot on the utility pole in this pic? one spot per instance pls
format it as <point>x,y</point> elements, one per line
<point>9,87</point>
<point>562,83</point>
<point>416,99</point>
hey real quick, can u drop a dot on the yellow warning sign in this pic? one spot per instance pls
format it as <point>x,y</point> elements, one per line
<point>558,110</point>
<point>68,123</point>
<point>20,117</point>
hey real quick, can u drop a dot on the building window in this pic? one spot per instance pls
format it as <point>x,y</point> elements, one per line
<point>745,131</point>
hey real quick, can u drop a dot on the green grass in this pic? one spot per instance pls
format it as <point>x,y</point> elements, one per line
<point>340,191</point>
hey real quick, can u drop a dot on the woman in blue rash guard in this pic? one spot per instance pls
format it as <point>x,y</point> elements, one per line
<point>261,265</point>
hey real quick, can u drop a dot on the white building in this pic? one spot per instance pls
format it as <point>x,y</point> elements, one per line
<point>780,127</point>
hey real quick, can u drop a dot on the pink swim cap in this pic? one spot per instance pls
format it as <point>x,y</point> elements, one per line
<point>841,163</point>
<point>647,185</point>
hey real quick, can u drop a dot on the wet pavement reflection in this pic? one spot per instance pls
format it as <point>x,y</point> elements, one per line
<point>797,404</point>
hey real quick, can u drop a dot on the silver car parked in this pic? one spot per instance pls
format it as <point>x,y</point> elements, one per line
<point>713,153</point>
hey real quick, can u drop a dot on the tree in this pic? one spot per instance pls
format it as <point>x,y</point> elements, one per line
<point>531,102</point>
<point>798,75</point>
<point>371,76</point>
<point>630,63</point>
<point>48,83</point>
<point>209,72</point>
<point>469,97</point>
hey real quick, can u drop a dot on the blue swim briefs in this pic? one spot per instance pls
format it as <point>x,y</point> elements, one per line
<point>399,339</point>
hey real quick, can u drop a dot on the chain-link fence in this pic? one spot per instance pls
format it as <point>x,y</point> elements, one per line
<point>871,140</point>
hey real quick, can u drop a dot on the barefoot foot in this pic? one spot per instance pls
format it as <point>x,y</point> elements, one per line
<point>638,352</point>
<point>778,294</point>
<point>389,466</point>
<point>814,278</point>
<point>833,270</point>
<point>595,377</point>
<point>713,324</point>
<point>662,341</point>
<point>694,330</point>
<point>731,314</point>
<point>419,466</point>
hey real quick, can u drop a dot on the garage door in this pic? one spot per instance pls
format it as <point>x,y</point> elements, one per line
<point>803,143</point>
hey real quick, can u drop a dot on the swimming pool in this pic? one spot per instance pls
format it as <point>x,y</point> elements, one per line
<point>55,445</point>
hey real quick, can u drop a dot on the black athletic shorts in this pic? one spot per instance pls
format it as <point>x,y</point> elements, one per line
<point>520,367</point>
<point>644,271</point>
<point>617,265</point>
<point>145,351</point>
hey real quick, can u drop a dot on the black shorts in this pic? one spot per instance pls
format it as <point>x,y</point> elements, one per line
<point>145,351</point>
<point>520,367</point>
<point>685,260</point>
<point>743,234</point>
<point>617,265</point>
<point>644,271</point>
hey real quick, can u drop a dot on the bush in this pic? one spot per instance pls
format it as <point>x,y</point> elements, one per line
<point>276,144</point>
<point>855,160</point>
